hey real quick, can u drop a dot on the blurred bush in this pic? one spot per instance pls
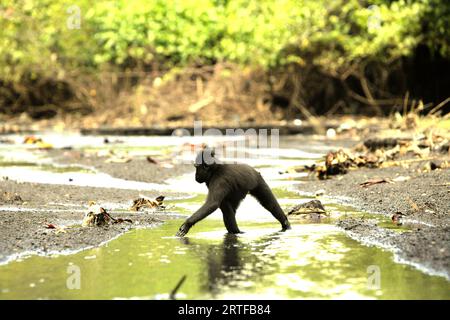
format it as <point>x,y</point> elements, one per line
<point>339,37</point>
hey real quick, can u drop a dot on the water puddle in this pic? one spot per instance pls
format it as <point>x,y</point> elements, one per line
<point>75,178</point>
<point>310,261</point>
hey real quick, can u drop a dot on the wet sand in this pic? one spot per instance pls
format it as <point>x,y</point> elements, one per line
<point>24,226</point>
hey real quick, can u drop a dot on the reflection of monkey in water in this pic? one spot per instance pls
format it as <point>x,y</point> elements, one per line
<point>225,262</point>
<point>228,184</point>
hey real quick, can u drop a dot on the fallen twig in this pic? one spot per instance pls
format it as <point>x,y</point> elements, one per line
<point>371,182</point>
<point>172,295</point>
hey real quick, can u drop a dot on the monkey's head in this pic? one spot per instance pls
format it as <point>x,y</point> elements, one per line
<point>205,162</point>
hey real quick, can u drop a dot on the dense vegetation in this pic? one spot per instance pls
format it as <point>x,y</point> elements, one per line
<point>341,39</point>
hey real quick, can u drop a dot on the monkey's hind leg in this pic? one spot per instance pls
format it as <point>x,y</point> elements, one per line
<point>229,217</point>
<point>266,198</point>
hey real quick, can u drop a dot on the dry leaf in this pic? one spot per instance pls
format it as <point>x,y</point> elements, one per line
<point>31,140</point>
<point>145,202</point>
<point>413,204</point>
<point>38,142</point>
<point>151,160</point>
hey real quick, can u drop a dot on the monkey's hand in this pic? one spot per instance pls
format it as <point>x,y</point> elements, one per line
<point>286,226</point>
<point>183,229</point>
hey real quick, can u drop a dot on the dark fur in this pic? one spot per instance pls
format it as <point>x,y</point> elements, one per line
<point>228,185</point>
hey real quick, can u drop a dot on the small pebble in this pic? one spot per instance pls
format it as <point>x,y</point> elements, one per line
<point>320,192</point>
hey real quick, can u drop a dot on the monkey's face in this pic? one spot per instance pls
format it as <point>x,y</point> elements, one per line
<point>204,163</point>
<point>202,173</point>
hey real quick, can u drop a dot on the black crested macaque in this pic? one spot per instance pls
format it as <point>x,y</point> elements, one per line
<point>228,184</point>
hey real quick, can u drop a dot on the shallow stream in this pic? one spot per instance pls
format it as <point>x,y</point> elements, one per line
<point>313,260</point>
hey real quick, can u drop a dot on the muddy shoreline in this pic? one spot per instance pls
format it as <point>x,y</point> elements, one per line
<point>23,222</point>
<point>423,200</point>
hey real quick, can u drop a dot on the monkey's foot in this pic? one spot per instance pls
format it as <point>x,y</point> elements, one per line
<point>235,232</point>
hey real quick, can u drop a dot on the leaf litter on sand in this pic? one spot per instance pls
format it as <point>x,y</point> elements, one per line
<point>380,153</point>
<point>38,142</point>
<point>9,197</point>
<point>98,216</point>
<point>144,202</point>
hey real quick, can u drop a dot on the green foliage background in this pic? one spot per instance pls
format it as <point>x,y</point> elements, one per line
<point>34,36</point>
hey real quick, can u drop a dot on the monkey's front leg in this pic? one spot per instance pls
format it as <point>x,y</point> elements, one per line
<point>202,213</point>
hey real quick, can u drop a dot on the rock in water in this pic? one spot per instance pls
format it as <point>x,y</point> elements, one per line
<point>313,206</point>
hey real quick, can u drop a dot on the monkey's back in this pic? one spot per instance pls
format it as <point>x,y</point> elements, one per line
<point>240,177</point>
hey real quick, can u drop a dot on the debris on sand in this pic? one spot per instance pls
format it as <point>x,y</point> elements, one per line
<point>38,142</point>
<point>313,206</point>
<point>151,160</point>
<point>319,192</point>
<point>397,218</point>
<point>381,152</point>
<point>413,204</point>
<point>113,156</point>
<point>371,182</point>
<point>58,229</point>
<point>148,203</point>
<point>98,217</point>
<point>31,140</point>
<point>11,198</point>
<point>433,165</point>
<point>162,163</point>
<point>173,293</point>
<point>340,162</point>
<point>115,141</point>
<point>118,158</point>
